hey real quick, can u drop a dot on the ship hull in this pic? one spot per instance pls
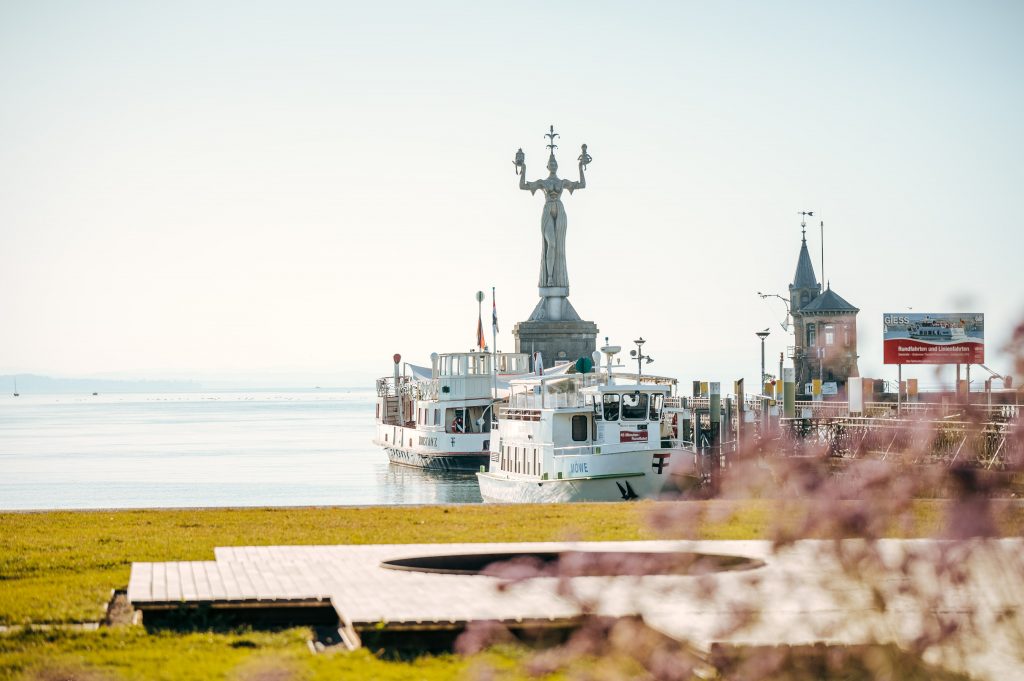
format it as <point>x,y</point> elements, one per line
<point>456,462</point>
<point>497,488</point>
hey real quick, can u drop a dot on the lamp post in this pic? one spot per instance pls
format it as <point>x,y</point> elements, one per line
<point>762,335</point>
<point>785,323</point>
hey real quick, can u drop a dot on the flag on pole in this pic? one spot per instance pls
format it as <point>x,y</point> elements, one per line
<point>480,332</point>
<point>494,312</point>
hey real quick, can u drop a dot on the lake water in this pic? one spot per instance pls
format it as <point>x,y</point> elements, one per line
<point>205,449</point>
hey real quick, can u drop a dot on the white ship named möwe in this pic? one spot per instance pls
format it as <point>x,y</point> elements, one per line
<point>440,418</point>
<point>580,437</point>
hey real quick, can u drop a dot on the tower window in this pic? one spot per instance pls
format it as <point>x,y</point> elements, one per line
<point>812,335</point>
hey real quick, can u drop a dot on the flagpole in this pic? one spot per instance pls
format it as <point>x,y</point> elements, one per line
<point>494,350</point>
<point>480,342</point>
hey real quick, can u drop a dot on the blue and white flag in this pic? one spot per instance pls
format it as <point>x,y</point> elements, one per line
<point>494,313</point>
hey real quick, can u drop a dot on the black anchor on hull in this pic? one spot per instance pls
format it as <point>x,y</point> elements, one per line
<point>627,492</point>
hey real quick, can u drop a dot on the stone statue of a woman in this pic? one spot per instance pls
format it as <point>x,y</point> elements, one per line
<point>553,273</point>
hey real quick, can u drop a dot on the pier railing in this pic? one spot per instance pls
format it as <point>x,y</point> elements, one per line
<point>986,444</point>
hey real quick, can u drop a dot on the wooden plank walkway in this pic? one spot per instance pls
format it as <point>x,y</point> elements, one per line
<point>361,590</point>
<point>800,595</point>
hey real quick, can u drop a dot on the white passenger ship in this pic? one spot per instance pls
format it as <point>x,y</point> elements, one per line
<point>581,437</point>
<point>930,330</point>
<point>440,419</point>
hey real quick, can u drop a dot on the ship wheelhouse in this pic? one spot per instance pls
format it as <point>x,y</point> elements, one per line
<point>551,424</point>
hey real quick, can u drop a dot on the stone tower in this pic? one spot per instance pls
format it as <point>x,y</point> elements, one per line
<point>824,328</point>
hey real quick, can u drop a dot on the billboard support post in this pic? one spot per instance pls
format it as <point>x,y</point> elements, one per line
<point>899,389</point>
<point>967,397</point>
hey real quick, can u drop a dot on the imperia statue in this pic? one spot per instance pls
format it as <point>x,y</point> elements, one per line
<point>553,223</point>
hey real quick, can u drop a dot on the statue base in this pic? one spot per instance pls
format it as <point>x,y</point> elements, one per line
<point>557,341</point>
<point>554,306</point>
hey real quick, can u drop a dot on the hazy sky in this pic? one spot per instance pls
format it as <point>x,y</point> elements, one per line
<point>194,189</point>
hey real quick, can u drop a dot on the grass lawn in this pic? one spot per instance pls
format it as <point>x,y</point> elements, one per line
<point>60,567</point>
<point>132,653</point>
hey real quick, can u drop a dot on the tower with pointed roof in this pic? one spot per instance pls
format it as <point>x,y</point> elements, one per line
<point>824,328</point>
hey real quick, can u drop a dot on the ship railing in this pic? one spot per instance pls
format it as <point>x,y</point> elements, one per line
<point>596,448</point>
<point>421,390</point>
<point>577,450</point>
<point>751,402</point>
<point>386,386</point>
<point>641,379</point>
<point>519,414</point>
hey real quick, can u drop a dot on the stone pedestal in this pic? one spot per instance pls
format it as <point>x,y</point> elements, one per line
<point>565,340</point>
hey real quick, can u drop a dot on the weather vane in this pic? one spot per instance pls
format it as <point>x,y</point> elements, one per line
<point>551,139</point>
<point>803,220</point>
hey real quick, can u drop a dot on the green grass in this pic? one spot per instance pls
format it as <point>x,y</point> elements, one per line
<point>130,653</point>
<point>60,567</point>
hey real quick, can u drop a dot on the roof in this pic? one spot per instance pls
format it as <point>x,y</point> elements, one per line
<point>829,301</point>
<point>804,277</point>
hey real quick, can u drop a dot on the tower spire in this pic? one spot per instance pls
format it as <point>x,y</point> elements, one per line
<point>803,223</point>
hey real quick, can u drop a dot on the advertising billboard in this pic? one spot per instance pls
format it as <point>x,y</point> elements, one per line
<point>933,338</point>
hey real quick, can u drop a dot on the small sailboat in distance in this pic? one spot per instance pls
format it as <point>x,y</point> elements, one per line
<point>16,393</point>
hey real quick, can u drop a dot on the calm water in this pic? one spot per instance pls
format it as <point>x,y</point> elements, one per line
<point>212,449</point>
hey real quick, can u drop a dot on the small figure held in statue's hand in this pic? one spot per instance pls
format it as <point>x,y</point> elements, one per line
<point>585,158</point>
<point>520,162</point>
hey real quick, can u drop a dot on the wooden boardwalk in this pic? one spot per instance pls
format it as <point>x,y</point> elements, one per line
<point>797,595</point>
<point>352,580</point>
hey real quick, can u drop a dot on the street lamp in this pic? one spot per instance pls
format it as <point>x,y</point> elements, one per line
<point>785,322</point>
<point>762,335</point>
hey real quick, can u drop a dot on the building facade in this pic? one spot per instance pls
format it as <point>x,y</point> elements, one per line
<point>824,330</point>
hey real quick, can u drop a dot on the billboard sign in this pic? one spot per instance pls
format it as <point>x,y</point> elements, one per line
<point>933,338</point>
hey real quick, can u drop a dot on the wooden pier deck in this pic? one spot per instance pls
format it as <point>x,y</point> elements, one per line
<point>796,595</point>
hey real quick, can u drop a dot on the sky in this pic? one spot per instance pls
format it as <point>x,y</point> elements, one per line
<point>294,191</point>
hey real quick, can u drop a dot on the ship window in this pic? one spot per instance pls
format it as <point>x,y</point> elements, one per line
<point>611,407</point>
<point>634,407</point>
<point>456,421</point>
<point>595,402</point>
<point>656,406</point>
<point>378,410</point>
<point>579,428</point>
